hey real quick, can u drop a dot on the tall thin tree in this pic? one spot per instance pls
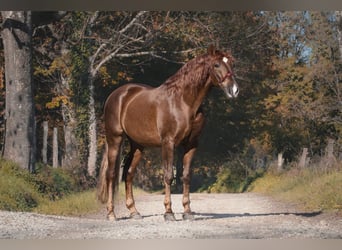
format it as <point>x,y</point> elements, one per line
<point>20,121</point>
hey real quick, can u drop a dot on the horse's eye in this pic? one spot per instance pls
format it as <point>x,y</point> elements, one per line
<point>216,65</point>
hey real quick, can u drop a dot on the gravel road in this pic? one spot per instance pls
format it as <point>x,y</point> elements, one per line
<point>217,216</point>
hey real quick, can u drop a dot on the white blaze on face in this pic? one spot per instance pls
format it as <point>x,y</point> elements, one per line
<point>225,59</point>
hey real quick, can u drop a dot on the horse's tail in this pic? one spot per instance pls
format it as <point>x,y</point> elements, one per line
<point>127,163</point>
<point>102,187</point>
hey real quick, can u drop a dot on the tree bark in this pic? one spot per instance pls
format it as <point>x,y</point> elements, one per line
<point>303,159</point>
<point>339,31</point>
<point>45,139</point>
<point>280,162</point>
<point>92,132</point>
<point>55,148</point>
<point>71,152</point>
<point>20,143</point>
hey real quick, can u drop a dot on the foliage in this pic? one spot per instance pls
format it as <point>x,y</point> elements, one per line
<point>313,188</point>
<point>54,183</point>
<point>17,188</point>
<point>287,66</point>
<point>49,191</point>
<point>23,191</point>
<point>74,204</point>
<point>234,178</point>
<point>302,109</point>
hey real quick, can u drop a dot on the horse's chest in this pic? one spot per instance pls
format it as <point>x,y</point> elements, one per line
<point>175,125</point>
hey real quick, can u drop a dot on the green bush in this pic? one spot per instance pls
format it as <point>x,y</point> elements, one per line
<point>312,189</point>
<point>54,183</point>
<point>23,191</point>
<point>235,176</point>
<point>48,190</point>
<point>17,188</point>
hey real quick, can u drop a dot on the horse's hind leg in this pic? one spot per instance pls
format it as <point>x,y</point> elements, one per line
<point>128,175</point>
<point>114,144</point>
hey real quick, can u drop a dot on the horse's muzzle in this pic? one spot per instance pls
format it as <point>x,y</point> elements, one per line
<point>232,91</point>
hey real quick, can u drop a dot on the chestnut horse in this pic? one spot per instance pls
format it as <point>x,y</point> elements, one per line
<point>167,116</point>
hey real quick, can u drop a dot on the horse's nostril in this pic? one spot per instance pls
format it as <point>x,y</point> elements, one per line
<point>235,90</point>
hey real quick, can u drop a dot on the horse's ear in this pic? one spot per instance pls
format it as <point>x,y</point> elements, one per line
<point>211,50</point>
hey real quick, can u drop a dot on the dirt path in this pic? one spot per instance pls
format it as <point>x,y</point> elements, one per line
<point>238,216</point>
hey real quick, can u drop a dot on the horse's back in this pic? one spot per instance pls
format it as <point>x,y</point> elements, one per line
<point>116,105</point>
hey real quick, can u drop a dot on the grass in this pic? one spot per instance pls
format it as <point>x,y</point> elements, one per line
<point>53,192</point>
<point>49,191</point>
<point>310,189</point>
<point>17,189</point>
<point>79,204</point>
<point>74,205</point>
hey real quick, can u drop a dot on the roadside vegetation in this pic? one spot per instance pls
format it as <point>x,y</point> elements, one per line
<point>49,190</point>
<point>313,188</point>
<point>55,191</point>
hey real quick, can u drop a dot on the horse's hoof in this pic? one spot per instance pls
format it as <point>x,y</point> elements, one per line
<point>188,216</point>
<point>169,217</point>
<point>136,216</point>
<point>111,217</point>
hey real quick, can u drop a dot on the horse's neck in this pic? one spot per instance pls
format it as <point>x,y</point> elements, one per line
<point>195,93</point>
<point>191,86</point>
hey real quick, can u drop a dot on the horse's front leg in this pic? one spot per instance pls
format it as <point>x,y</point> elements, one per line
<point>189,152</point>
<point>167,158</point>
<point>186,183</point>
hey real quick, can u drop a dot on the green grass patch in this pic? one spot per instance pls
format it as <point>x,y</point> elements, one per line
<point>18,191</point>
<point>48,191</point>
<point>312,190</point>
<point>76,204</point>
<point>81,203</point>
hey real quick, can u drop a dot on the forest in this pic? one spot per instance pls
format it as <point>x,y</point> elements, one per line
<point>57,69</point>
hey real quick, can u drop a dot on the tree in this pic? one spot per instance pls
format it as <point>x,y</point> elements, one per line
<point>129,32</point>
<point>20,115</point>
<point>303,107</point>
<point>53,77</point>
<point>113,37</point>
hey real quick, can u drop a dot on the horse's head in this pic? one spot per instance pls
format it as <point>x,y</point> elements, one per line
<point>221,72</point>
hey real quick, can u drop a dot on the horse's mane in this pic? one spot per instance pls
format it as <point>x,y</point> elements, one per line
<point>194,71</point>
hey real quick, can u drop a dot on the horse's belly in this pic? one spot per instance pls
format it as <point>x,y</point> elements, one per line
<point>140,124</point>
<point>150,117</point>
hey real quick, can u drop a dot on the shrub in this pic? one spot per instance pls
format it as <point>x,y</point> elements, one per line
<point>234,176</point>
<point>310,188</point>
<point>54,182</point>
<point>23,191</point>
<point>17,188</point>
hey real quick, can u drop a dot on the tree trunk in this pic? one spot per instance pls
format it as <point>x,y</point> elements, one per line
<point>280,162</point>
<point>20,143</point>
<point>92,133</point>
<point>45,139</point>
<point>71,154</point>
<point>55,148</point>
<point>303,159</point>
<point>339,31</point>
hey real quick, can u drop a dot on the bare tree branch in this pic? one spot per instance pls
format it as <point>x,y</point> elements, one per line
<point>140,13</point>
